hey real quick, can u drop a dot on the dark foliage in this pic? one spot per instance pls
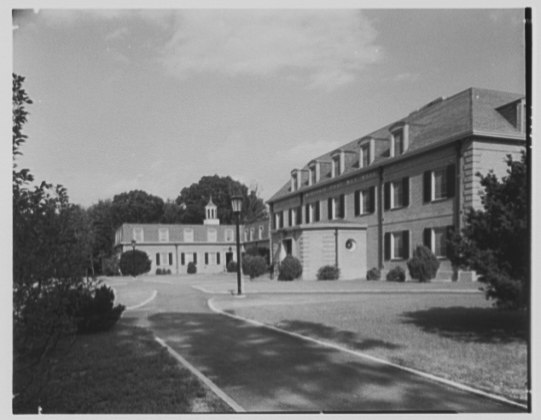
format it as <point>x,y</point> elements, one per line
<point>328,272</point>
<point>254,266</point>
<point>373,274</point>
<point>397,274</point>
<point>134,263</point>
<point>232,267</point>
<point>136,207</point>
<point>94,309</point>
<point>290,269</point>
<point>163,271</point>
<point>192,268</point>
<point>193,199</point>
<point>494,241</point>
<point>423,265</point>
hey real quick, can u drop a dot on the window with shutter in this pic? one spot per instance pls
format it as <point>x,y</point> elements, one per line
<point>357,203</point>
<point>330,209</point>
<point>182,259</point>
<point>157,259</point>
<point>170,258</point>
<point>387,246</point>
<point>318,211</point>
<point>387,196</point>
<point>195,257</point>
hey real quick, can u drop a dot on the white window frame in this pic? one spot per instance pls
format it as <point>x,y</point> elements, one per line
<point>260,231</point>
<point>252,233</point>
<point>433,233</point>
<point>362,196</point>
<point>396,185</point>
<point>393,236</point>
<point>364,150</point>
<point>229,235</point>
<point>188,235</point>
<point>212,235</point>
<point>163,234</point>
<point>138,234</point>
<point>433,184</point>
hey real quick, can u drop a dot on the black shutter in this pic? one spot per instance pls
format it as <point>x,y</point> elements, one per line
<point>195,257</point>
<point>182,261</point>
<point>405,191</point>
<point>357,199</point>
<point>217,258</point>
<point>387,196</point>
<point>318,216</point>
<point>290,217</point>
<point>342,209</point>
<point>387,247</point>
<point>170,258</point>
<point>329,208</point>
<point>307,214</point>
<point>206,258</point>
<point>371,199</point>
<point>299,215</point>
<point>427,186</point>
<point>449,231</point>
<point>157,259</point>
<point>451,180</point>
<point>427,238</point>
<point>406,242</point>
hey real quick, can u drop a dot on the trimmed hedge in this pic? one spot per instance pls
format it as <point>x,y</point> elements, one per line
<point>133,263</point>
<point>192,268</point>
<point>232,266</point>
<point>254,266</point>
<point>328,272</point>
<point>373,274</point>
<point>290,269</point>
<point>423,265</point>
<point>397,274</point>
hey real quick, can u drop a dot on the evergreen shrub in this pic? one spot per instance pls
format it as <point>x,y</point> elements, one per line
<point>397,274</point>
<point>328,272</point>
<point>423,265</point>
<point>290,269</point>
<point>373,274</point>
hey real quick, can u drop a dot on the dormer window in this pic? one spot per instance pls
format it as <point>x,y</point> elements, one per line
<point>337,163</point>
<point>399,139</point>
<point>312,178</point>
<point>294,180</point>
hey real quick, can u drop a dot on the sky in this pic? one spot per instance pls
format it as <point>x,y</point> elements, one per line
<point>154,99</point>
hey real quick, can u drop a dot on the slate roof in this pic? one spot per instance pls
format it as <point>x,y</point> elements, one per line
<point>472,111</point>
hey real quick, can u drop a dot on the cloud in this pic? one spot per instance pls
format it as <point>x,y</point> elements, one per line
<point>325,48</point>
<point>406,77</point>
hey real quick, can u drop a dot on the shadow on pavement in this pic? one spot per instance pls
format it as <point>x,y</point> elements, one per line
<point>486,325</point>
<point>268,371</point>
<point>324,332</point>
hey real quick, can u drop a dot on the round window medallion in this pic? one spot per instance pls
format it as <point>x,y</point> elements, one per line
<point>351,244</point>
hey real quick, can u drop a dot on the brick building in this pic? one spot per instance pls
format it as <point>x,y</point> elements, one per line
<point>370,202</point>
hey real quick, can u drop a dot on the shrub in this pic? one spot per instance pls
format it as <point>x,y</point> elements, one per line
<point>328,272</point>
<point>192,268</point>
<point>163,271</point>
<point>232,266</point>
<point>111,266</point>
<point>94,309</point>
<point>423,265</point>
<point>396,274</point>
<point>133,263</point>
<point>159,271</point>
<point>290,268</point>
<point>373,274</point>
<point>254,266</point>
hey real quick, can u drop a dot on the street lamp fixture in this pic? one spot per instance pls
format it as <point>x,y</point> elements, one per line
<point>236,204</point>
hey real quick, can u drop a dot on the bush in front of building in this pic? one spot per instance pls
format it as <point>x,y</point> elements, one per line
<point>232,266</point>
<point>397,274</point>
<point>373,274</point>
<point>163,271</point>
<point>133,263</point>
<point>423,265</point>
<point>328,272</point>
<point>290,268</point>
<point>192,268</point>
<point>254,266</point>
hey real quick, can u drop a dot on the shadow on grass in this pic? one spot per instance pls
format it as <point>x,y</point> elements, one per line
<point>327,333</point>
<point>484,325</point>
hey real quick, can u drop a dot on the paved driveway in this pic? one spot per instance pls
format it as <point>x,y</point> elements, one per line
<point>268,371</point>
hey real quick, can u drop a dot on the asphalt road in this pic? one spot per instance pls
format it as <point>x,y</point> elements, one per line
<point>268,371</point>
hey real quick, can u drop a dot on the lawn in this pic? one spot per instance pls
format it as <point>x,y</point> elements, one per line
<point>122,371</point>
<point>459,337</point>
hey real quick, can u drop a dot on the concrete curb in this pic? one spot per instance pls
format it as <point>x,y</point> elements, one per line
<point>372,358</point>
<point>150,299</point>
<point>342,292</point>
<point>213,387</point>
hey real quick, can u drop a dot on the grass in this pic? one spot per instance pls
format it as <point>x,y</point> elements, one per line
<point>459,337</point>
<point>122,371</point>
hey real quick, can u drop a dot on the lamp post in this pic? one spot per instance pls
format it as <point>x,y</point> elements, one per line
<point>236,203</point>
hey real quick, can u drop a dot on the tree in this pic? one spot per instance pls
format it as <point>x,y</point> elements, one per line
<point>136,207</point>
<point>423,265</point>
<point>192,200</point>
<point>494,241</point>
<point>172,212</point>
<point>103,226</point>
<point>133,263</point>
